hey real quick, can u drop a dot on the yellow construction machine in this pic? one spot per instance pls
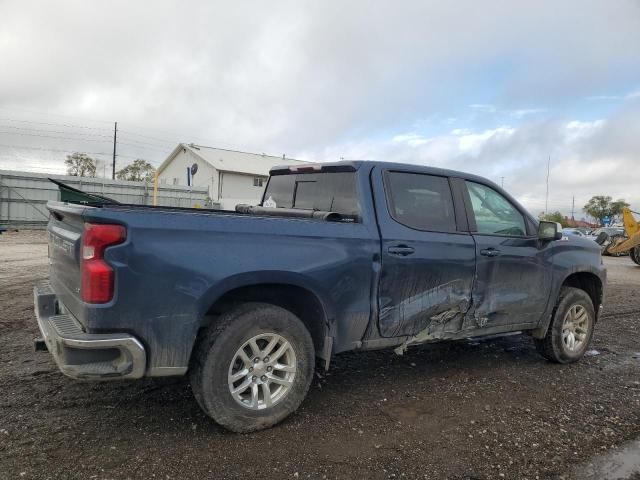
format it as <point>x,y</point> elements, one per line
<point>632,243</point>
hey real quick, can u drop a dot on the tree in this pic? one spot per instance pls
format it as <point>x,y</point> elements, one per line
<point>601,206</point>
<point>80,165</point>
<point>138,171</point>
<point>555,217</point>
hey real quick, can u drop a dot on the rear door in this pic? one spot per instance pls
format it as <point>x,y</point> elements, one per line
<point>513,268</point>
<point>428,259</point>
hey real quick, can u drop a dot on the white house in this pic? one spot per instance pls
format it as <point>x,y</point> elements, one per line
<point>232,177</point>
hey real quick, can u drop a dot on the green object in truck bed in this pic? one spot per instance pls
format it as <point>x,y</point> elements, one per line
<point>73,195</point>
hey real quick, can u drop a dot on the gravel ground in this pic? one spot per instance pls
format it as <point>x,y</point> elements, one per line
<point>464,410</point>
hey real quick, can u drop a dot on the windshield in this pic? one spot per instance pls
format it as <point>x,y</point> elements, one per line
<point>327,191</point>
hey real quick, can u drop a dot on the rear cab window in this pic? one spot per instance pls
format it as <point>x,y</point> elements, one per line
<point>324,191</point>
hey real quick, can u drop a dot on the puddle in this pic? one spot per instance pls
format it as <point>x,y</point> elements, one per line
<point>619,464</point>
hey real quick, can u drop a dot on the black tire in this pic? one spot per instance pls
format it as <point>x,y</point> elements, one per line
<point>217,348</point>
<point>552,346</point>
<point>634,253</point>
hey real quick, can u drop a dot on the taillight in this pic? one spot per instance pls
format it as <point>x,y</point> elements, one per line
<point>97,275</point>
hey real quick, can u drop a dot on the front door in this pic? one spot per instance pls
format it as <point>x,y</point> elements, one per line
<point>428,261</point>
<point>513,268</point>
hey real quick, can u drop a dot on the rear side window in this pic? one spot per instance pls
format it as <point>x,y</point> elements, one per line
<point>422,202</point>
<point>327,191</point>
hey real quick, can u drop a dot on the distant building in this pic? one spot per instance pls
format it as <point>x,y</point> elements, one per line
<point>579,223</point>
<point>231,177</point>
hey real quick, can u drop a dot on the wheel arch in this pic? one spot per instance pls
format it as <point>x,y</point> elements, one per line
<point>590,283</point>
<point>585,280</point>
<point>287,292</point>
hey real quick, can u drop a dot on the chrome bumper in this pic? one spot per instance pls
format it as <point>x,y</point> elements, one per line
<point>85,355</point>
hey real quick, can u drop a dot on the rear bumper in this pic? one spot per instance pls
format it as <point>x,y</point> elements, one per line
<point>84,355</point>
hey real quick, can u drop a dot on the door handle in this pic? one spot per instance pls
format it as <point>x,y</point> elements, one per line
<point>401,250</point>
<point>490,252</point>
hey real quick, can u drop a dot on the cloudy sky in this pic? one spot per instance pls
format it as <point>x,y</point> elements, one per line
<point>490,87</point>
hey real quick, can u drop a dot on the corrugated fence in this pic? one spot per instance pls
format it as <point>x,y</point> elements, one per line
<point>24,195</point>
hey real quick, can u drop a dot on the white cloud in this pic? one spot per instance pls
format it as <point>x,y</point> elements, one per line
<point>523,112</point>
<point>587,158</point>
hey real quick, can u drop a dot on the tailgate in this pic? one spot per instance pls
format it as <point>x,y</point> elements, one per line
<point>64,233</point>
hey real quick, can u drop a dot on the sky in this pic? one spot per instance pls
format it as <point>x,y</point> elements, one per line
<point>495,88</point>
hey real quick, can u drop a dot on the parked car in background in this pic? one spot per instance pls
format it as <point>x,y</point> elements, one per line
<point>573,232</point>
<point>339,257</point>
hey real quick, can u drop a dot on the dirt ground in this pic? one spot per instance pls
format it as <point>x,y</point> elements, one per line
<point>465,410</point>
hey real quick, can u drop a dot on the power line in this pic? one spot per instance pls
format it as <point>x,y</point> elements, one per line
<point>129,132</point>
<point>53,136</point>
<point>142,144</point>
<point>39,112</point>
<point>52,124</point>
<point>54,131</point>
<point>25,147</point>
<point>136,144</point>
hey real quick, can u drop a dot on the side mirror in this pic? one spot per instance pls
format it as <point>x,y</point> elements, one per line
<point>548,231</point>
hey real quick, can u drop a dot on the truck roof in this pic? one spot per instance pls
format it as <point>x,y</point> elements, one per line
<point>357,164</point>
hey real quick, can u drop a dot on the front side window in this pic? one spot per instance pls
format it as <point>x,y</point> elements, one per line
<point>494,213</point>
<point>421,202</point>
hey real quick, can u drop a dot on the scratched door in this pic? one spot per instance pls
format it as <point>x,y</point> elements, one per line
<point>427,263</point>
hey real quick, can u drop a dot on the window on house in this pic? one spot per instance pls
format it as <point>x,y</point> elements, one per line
<point>258,181</point>
<point>163,181</point>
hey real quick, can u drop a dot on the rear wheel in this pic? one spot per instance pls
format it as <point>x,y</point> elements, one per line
<point>253,367</point>
<point>634,253</point>
<point>571,328</point>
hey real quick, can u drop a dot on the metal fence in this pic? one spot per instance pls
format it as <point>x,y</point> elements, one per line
<point>24,195</point>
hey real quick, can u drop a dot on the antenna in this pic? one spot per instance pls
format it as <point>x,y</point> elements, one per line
<point>115,136</point>
<point>573,206</point>
<point>546,200</point>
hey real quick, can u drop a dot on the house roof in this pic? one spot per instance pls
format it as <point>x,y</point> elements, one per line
<point>232,160</point>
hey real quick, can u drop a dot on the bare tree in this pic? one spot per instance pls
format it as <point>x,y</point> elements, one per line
<point>138,171</point>
<point>80,165</point>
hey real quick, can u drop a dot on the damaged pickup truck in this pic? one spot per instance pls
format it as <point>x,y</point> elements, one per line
<point>338,257</point>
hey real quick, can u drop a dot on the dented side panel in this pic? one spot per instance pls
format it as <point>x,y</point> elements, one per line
<point>430,287</point>
<point>513,286</point>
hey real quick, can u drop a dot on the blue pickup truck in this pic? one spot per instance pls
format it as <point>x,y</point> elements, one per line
<point>337,257</point>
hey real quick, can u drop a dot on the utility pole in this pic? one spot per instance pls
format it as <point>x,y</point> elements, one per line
<point>115,136</point>
<point>502,182</point>
<point>573,206</point>
<point>546,199</point>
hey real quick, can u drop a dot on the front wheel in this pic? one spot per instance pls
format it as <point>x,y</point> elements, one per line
<point>253,367</point>
<point>571,328</point>
<point>634,253</point>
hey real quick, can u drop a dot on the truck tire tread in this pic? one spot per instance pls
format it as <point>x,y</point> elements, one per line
<point>550,347</point>
<point>217,402</point>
